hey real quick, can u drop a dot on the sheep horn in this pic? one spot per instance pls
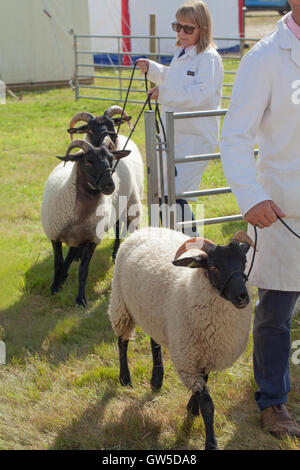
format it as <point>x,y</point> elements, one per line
<point>194,243</point>
<point>110,112</point>
<point>84,116</point>
<point>108,143</point>
<point>83,144</point>
<point>242,237</point>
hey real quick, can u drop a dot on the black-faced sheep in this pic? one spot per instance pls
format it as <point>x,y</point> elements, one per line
<point>101,129</point>
<point>79,194</point>
<point>196,313</point>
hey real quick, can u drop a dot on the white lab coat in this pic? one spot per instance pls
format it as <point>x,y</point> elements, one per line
<point>265,109</point>
<point>192,82</point>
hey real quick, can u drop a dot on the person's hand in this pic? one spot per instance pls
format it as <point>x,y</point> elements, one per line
<point>143,65</point>
<point>263,214</point>
<point>154,92</point>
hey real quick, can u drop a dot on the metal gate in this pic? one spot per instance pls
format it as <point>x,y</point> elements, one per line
<point>154,167</point>
<point>83,70</point>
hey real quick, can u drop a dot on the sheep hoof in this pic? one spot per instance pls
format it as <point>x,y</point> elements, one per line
<point>211,446</point>
<point>81,301</point>
<point>157,379</point>
<point>154,388</point>
<point>54,289</point>
<point>193,407</point>
<point>125,381</point>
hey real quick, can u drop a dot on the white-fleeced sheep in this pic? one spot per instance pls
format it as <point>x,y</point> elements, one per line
<point>201,315</point>
<point>82,193</point>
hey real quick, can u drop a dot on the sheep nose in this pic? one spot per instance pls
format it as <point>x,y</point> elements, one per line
<point>242,299</point>
<point>109,188</point>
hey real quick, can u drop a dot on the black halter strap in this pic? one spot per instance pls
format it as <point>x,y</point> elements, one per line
<point>228,279</point>
<point>255,244</point>
<point>288,227</point>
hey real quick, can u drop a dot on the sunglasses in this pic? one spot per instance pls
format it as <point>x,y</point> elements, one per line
<point>186,28</point>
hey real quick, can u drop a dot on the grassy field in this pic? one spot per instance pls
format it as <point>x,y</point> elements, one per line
<point>59,389</point>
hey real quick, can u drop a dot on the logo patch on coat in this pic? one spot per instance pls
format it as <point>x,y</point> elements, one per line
<point>190,72</point>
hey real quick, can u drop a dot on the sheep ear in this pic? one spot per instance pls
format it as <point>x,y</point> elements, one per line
<point>71,158</point>
<point>78,130</point>
<point>199,261</point>
<point>118,120</point>
<point>120,154</point>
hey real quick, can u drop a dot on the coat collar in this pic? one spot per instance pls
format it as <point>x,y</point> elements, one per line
<point>191,53</point>
<point>287,40</point>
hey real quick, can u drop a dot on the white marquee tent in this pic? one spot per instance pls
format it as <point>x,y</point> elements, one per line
<point>37,42</point>
<point>36,39</point>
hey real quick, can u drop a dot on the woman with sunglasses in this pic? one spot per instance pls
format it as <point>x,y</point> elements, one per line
<point>192,82</point>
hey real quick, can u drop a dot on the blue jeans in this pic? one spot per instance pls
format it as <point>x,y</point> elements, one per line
<point>271,346</point>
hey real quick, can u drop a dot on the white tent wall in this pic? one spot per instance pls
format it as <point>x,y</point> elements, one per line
<point>105,17</point>
<point>36,47</point>
<point>224,15</point>
<point>105,20</point>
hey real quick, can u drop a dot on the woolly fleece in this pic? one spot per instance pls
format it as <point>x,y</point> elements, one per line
<point>176,306</point>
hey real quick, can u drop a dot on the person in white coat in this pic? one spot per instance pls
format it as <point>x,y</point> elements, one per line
<point>265,109</point>
<point>192,82</point>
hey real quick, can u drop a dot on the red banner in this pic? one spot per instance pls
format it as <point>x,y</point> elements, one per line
<point>126,42</point>
<point>241,18</point>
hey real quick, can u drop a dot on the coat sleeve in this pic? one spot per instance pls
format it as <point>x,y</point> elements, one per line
<point>249,101</point>
<point>208,82</point>
<point>157,72</point>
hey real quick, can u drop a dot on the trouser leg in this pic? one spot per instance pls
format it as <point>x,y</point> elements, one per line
<point>271,345</point>
<point>184,213</point>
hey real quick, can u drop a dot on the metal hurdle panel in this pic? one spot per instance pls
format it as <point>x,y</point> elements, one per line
<point>154,167</point>
<point>83,69</point>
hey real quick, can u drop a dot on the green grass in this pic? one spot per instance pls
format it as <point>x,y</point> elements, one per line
<point>59,389</point>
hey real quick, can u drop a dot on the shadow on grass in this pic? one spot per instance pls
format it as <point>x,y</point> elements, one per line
<point>184,433</point>
<point>99,429</point>
<point>244,418</point>
<point>54,326</point>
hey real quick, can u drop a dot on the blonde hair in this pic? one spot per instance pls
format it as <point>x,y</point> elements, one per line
<point>197,12</point>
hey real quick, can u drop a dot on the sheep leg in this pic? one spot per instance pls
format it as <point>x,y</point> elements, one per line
<point>158,368</point>
<point>78,253</point>
<point>117,241</point>
<point>193,405</point>
<point>207,410</point>
<point>58,265</point>
<point>124,376</point>
<point>72,253</point>
<point>86,256</point>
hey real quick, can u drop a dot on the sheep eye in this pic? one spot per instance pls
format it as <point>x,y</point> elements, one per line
<point>89,164</point>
